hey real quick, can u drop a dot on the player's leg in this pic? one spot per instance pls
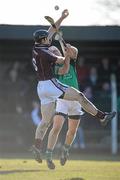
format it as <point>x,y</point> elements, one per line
<point>73,124</point>
<point>57,126</point>
<point>53,135</point>
<point>52,139</point>
<point>74,94</point>
<point>47,99</point>
<point>48,111</point>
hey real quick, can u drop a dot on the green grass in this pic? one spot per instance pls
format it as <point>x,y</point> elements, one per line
<point>94,168</point>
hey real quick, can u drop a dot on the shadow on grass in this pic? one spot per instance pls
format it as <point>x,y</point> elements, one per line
<point>77,178</point>
<point>76,155</point>
<point>21,171</point>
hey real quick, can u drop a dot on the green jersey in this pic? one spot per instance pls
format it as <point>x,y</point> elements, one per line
<point>70,78</point>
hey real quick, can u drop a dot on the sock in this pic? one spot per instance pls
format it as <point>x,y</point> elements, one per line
<point>38,143</point>
<point>100,114</point>
<point>49,154</point>
<point>66,147</point>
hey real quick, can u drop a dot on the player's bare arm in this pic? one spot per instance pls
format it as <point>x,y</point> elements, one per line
<point>65,68</point>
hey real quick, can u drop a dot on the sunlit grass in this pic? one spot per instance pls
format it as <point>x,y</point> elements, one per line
<point>28,169</point>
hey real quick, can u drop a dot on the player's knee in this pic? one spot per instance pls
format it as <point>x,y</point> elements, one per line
<point>78,95</point>
<point>81,94</point>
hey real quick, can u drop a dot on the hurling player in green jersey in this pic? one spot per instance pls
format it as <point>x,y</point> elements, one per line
<point>64,109</point>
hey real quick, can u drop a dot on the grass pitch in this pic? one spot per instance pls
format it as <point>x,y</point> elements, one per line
<point>88,168</point>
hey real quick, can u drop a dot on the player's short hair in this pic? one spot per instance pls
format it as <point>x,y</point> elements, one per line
<point>40,34</point>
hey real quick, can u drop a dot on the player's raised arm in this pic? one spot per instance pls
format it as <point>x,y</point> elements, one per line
<point>65,68</point>
<point>52,30</point>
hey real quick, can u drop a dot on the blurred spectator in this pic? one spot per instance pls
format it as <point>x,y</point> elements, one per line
<point>35,114</point>
<point>19,109</point>
<point>88,93</point>
<point>105,97</point>
<point>104,70</point>
<point>13,74</point>
<point>79,141</point>
<point>82,72</point>
<point>106,88</point>
<point>93,80</point>
<point>118,109</point>
<point>118,76</point>
<point>118,104</point>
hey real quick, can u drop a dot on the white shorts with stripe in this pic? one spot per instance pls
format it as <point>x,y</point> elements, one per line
<point>69,108</point>
<point>49,90</point>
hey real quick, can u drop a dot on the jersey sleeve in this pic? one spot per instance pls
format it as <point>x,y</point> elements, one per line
<point>49,55</point>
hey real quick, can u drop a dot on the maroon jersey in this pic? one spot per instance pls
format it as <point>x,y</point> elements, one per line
<point>43,61</point>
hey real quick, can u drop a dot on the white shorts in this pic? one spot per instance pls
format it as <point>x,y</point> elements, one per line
<point>69,108</point>
<point>49,90</point>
